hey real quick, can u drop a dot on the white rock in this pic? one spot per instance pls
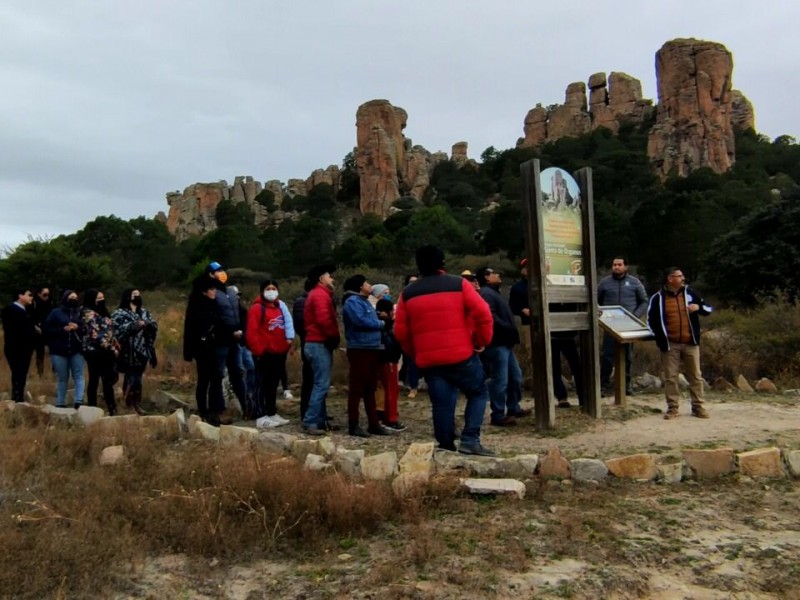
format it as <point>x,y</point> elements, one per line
<point>90,414</point>
<point>275,442</point>
<point>69,415</point>
<point>348,461</point>
<point>231,434</point>
<point>112,455</point>
<point>495,486</point>
<point>176,425</point>
<point>315,462</point>
<point>205,431</point>
<point>670,473</point>
<point>793,462</point>
<point>379,467</point>
<point>418,459</point>
<point>521,466</point>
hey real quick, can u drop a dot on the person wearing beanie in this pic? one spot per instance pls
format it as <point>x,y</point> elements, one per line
<point>442,323</point>
<point>362,330</point>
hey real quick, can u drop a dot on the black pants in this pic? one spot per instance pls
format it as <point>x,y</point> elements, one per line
<point>19,363</point>
<point>102,367</point>
<point>40,355</point>
<point>208,393</point>
<point>269,368</point>
<point>569,348</point>
<point>308,383</point>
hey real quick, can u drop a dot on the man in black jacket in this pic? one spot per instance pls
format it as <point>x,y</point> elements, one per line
<point>42,306</point>
<point>20,340</point>
<point>299,328</point>
<point>505,387</point>
<point>673,317</point>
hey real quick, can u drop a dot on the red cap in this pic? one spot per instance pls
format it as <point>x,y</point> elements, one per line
<point>523,263</point>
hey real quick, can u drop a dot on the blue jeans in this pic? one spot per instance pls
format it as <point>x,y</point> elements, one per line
<point>63,366</point>
<point>250,370</point>
<point>505,384</point>
<point>321,360</point>
<point>229,357</point>
<point>443,385</point>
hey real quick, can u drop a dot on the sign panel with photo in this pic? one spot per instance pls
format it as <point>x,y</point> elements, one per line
<point>622,324</point>
<point>561,225</point>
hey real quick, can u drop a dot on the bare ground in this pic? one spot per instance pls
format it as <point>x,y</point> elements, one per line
<point>730,538</point>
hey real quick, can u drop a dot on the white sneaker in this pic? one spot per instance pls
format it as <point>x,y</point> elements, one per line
<point>276,418</point>
<point>287,395</point>
<point>267,422</point>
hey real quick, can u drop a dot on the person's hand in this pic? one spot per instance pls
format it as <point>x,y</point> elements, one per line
<point>139,324</point>
<point>480,349</point>
<point>693,308</point>
<point>526,312</point>
<point>383,315</point>
<point>237,335</point>
<point>38,330</point>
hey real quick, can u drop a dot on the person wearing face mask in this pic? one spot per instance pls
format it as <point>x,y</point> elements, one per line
<point>229,334</point>
<point>42,305</point>
<point>100,349</point>
<point>136,330</point>
<point>63,333</point>
<point>269,336</point>
<point>200,327</point>
<point>379,291</point>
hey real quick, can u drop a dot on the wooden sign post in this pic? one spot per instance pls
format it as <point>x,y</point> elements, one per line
<point>559,237</point>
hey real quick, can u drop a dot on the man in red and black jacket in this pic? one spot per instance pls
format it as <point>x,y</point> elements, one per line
<point>321,339</point>
<point>442,323</point>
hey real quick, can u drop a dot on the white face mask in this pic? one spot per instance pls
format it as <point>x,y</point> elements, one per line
<point>270,295</point>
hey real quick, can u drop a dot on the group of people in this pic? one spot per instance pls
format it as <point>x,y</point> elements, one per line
<point>458,332</point>
<point>80,334</point>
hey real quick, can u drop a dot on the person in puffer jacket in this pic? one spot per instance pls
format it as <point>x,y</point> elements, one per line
<point>442,323</point>
<point>269,335</point>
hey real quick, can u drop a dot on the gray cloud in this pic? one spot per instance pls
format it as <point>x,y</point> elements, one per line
<point>107,106</point>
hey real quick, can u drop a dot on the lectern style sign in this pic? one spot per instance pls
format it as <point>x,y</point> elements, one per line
<point>559,235</point>
<point>625,328</point>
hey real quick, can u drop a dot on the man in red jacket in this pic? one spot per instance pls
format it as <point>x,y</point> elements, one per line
<point>442,323</point>
<point>322,338</point>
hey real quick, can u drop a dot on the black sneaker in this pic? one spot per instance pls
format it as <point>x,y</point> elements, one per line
<point>377,430</point>
<point>475,450</point>
<point>564,404</point>
<point>356,431</point>
<point>447,447</point>
<point>395,427</point>
<point>505,422</point>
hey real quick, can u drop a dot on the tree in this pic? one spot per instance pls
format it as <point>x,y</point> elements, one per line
<point>760,255</point>
<point>433,225</point>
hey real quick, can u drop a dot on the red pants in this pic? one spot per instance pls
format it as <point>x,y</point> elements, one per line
<point>389,381</point>
<point>364,367</point>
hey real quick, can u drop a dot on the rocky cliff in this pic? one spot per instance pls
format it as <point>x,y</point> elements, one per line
<point>695,118</point>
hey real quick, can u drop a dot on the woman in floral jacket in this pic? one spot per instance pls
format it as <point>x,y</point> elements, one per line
<point>100,349</point>
<point>136,331</point>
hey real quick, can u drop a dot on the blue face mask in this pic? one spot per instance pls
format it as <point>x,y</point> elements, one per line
<point>387,297</point>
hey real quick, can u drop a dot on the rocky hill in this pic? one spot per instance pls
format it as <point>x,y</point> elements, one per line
<point>692,127</point>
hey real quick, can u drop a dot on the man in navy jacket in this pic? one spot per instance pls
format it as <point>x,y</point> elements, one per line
<point>673,318</point>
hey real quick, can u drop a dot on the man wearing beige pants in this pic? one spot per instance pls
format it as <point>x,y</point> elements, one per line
<point>673,318</point>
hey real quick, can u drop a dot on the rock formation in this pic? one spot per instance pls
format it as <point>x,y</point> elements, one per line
<point>193,212</point>
<point>389,165</point>
<point>693,125</point>
<point>611,102</point>
<point>695,118</point>
<point>380,154</point>
<point>743,117</point>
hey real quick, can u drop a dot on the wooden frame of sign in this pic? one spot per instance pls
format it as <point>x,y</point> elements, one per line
<point>574,288</point>
<point>625,328</point>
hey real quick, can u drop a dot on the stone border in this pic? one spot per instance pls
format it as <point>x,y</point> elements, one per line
<point>421,460</point>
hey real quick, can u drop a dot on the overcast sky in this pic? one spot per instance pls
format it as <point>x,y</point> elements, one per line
<point>107,105</point>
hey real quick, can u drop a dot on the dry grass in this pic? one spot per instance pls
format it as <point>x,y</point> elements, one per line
<point>68,524</point>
